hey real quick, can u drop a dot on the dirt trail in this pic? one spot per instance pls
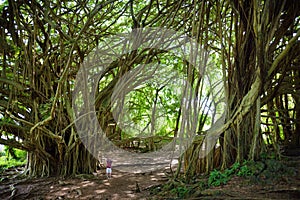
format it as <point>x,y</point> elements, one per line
<point>267,185</point>
<point>120,186</point>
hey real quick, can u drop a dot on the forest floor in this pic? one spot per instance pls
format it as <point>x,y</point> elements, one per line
<point>145,186</point>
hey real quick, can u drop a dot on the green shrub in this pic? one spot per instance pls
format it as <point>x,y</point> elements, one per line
<point>2,153</point>
<point>180,191</point>
<point>203,185</point>
<point>14,153</point>
<point>232,170</point>
<point>5,164</point>
<point>7,160</point>
<point>273,165</point>
<point>21,154</point>
<point>244,171</point>
<point>217,178</point>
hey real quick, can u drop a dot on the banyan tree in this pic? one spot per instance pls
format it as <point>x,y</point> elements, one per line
<point>247,80</point>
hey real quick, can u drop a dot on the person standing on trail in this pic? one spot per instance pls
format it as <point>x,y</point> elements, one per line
<point>108,167</point>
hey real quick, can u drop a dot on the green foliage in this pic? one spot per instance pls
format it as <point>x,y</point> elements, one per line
<point>177,189</point>
<point>245,171</point>
<point>268,155</point>
<point>230,171</point>
<point>158,96</point>
<point>203,185</point>
<point>6,161</point>
<point>4,120</point>
<point>270,170</point>
<point>3,4</point>
<point>181,191</point>
<point>264,171</point>
<point>273,165</point>
<point>44,110</point>
<point>10,152</point>
<point>217,178</point>
<point>21,155</point>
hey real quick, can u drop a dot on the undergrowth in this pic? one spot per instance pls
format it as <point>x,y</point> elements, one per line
<point>217,177</point>
<point>8,161</point>
<point>265,171</point>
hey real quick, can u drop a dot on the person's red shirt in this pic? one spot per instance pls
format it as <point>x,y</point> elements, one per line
<point>108,163</point>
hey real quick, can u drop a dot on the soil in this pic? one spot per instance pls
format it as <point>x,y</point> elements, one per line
<point>140,186</point>
<point>120,186</point>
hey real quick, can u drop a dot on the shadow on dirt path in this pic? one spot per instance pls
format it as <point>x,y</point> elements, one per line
<point>271,183</point>
<point>120,186</point>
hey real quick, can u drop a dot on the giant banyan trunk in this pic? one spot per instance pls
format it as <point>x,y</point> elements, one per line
<point>236,141</point>
<point>55,159</point>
